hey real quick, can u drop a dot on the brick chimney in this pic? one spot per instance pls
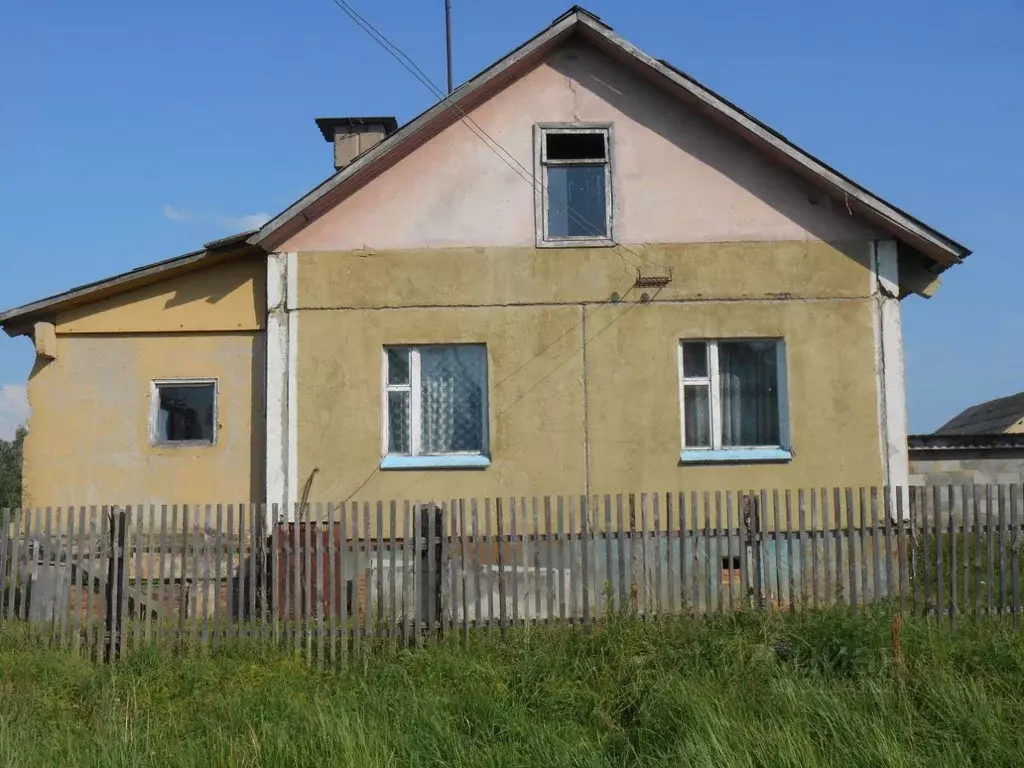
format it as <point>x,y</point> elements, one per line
<point>352,136</point>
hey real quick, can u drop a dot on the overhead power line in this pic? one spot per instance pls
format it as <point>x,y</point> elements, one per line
<point>489,141</point>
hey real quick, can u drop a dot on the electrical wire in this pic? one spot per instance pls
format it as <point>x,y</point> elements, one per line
<point>489,141</point>
<point>505,156</point>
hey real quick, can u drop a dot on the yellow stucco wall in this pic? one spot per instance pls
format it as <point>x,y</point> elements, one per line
<point>534,391</point>
<point>88,439</point>
<point>506,275</point>
<point>527,305</point>
<point>635,439</point>
<point>227,297</point>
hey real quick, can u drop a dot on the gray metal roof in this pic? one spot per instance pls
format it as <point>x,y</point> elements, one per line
<point>993,417</point>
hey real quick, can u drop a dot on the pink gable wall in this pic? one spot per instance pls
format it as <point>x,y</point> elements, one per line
<point>676,176</point>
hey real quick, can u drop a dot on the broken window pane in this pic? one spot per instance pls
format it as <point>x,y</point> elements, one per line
<point>575,146</point>
<point>185,413</point>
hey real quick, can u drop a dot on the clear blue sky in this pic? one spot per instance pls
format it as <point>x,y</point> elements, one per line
<point>131,131</point>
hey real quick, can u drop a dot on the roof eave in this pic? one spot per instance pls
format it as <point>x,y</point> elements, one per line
<point>930,242</point>
<point>927,240</point>
<point>19,320</point>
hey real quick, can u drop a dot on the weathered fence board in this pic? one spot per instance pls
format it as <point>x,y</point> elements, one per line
<point>103,582</point>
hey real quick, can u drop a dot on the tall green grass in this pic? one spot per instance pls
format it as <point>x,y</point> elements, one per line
<point>813,689</point>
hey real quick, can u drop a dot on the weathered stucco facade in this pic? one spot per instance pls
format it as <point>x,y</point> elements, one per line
<point>582,363</point>
<point>88,440</point>
<point>611,423</point>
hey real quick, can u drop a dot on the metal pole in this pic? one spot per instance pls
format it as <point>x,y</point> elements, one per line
<point>448,38</point>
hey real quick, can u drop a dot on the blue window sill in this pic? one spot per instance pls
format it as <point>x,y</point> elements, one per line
<point>730,455</point>
<point>454,461</point>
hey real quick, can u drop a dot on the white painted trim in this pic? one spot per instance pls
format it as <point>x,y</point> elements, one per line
<point>292,281</point>
<point>415,390</point>
<point>895,392</point>
<point>714,396</point>
<point>415,402</point>
<point>888,268</point>
<point>682,393</point>
<point>889,370</point>
<point>712,382</point>
<point>879,363</point>
<point>276,384</point>
<point>154,411</point>
<point>385,421</point>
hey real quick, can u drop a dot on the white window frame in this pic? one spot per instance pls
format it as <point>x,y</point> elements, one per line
<point>712,381</point>
<point>154,411</point>
<point>541,164</point>
<point>415,401</point>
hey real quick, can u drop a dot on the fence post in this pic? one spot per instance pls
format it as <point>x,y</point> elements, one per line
<point>115,572</point>
<point>752,519</point>
<point>498,510</point>
<point>1015,551</point>
<point>5,565</point>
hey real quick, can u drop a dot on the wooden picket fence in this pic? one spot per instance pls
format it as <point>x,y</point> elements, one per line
<point>332,580</point>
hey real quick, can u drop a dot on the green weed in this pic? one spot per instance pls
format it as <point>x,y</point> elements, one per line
<point>812,689</point>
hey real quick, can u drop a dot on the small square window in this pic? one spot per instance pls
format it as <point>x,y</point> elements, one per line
<point>436,400</point>
<point>184,411</point>
<point>574,196</point>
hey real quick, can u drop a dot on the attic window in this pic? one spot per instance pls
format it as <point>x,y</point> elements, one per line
<point>574,196</point>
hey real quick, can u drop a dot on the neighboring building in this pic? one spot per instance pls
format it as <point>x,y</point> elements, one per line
<point>685,300</point>
<point>1002,416</point>
<point>984,445</point>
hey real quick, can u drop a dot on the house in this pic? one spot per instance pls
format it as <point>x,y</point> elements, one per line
<point>983,445</point>
<point>1002,416</point>
<point>583,273</point>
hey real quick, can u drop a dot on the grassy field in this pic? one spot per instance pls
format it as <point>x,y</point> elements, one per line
<point>811,690</point>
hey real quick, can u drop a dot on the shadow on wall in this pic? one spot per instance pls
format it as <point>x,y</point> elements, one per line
<point>700,137</point>
<point>213,286</point>
<point>257,419</point>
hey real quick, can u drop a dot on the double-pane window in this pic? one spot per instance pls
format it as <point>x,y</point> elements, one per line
<point>436,400</point>
<point>731,393</point>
